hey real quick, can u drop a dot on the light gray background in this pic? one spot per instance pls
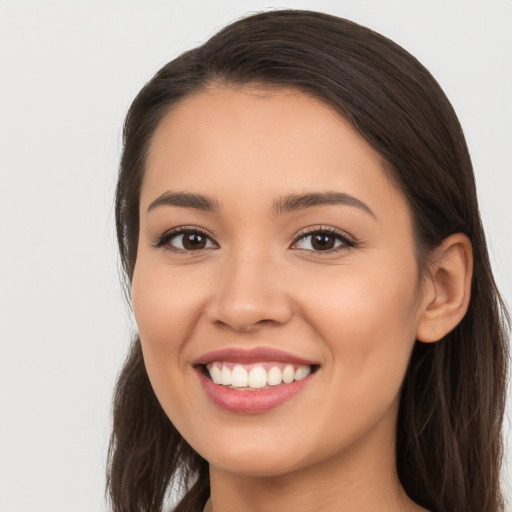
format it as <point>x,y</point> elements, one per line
<point>68,71</point>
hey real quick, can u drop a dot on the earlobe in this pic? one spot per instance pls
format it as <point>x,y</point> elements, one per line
<point>446,298</point>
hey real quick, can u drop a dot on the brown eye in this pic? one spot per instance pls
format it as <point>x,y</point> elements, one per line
<point>185,240</point>
<point>322,242</point>
<point>193,241</point>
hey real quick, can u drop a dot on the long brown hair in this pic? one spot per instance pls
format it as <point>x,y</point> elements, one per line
<point>448,444</point>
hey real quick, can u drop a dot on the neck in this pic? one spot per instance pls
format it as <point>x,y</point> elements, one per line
<point>362,477</point>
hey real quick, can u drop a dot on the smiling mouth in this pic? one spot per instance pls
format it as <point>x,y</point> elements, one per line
<point>255,376</point>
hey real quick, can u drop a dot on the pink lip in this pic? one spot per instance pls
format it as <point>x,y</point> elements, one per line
<point>251,402</point>
<point>248,356</point>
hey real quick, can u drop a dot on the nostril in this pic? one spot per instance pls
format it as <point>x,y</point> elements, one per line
<point>244,308</point>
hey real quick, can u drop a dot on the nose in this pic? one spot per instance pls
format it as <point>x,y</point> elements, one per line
<point>249,295</point>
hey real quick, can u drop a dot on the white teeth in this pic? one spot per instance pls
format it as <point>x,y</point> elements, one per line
<point>216,374</point>
<point>255,376</point>
<point>274,376</point>
<point>225,376</point>
<point>302,372</point>
<point>288,374</point>
<point>239,377</point>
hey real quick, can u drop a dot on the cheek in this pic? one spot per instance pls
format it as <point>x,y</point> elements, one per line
<point>368,321</point>
<point>166,307</point>
<point>166,311</point>
<point>165,314</point>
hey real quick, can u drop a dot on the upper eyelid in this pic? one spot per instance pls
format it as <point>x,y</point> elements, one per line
<point>187,229</point>
<point>323,229</point>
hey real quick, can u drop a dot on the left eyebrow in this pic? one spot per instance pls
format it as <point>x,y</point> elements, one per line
<point>295,202</point>
<point>185,200</point>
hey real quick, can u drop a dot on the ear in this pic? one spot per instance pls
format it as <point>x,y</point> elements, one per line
<point>447,288</point>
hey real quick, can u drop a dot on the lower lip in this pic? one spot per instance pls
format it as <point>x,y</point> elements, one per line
<point>251,402</point>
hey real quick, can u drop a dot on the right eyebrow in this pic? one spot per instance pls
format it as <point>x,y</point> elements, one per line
<point>185,200</point>
<point>295,202</point>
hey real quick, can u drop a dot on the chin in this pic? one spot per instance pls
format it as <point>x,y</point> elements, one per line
<point>259,466</point>
<point>262,454</point>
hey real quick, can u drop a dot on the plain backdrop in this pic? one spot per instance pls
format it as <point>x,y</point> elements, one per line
<point>68,72</point>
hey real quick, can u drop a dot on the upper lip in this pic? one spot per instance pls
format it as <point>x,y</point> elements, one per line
<point>250,356</point>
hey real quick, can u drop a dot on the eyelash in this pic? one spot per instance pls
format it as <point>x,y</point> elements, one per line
<point>346,241</point>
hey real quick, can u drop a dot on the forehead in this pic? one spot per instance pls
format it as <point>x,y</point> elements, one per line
<point>261,142</point>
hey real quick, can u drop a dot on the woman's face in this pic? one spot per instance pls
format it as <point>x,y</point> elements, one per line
<point>273,247</point>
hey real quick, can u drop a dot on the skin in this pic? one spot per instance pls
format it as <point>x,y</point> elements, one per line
<point>356,311</point>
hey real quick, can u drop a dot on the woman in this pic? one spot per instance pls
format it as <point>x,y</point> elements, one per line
<point>319,328</point>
